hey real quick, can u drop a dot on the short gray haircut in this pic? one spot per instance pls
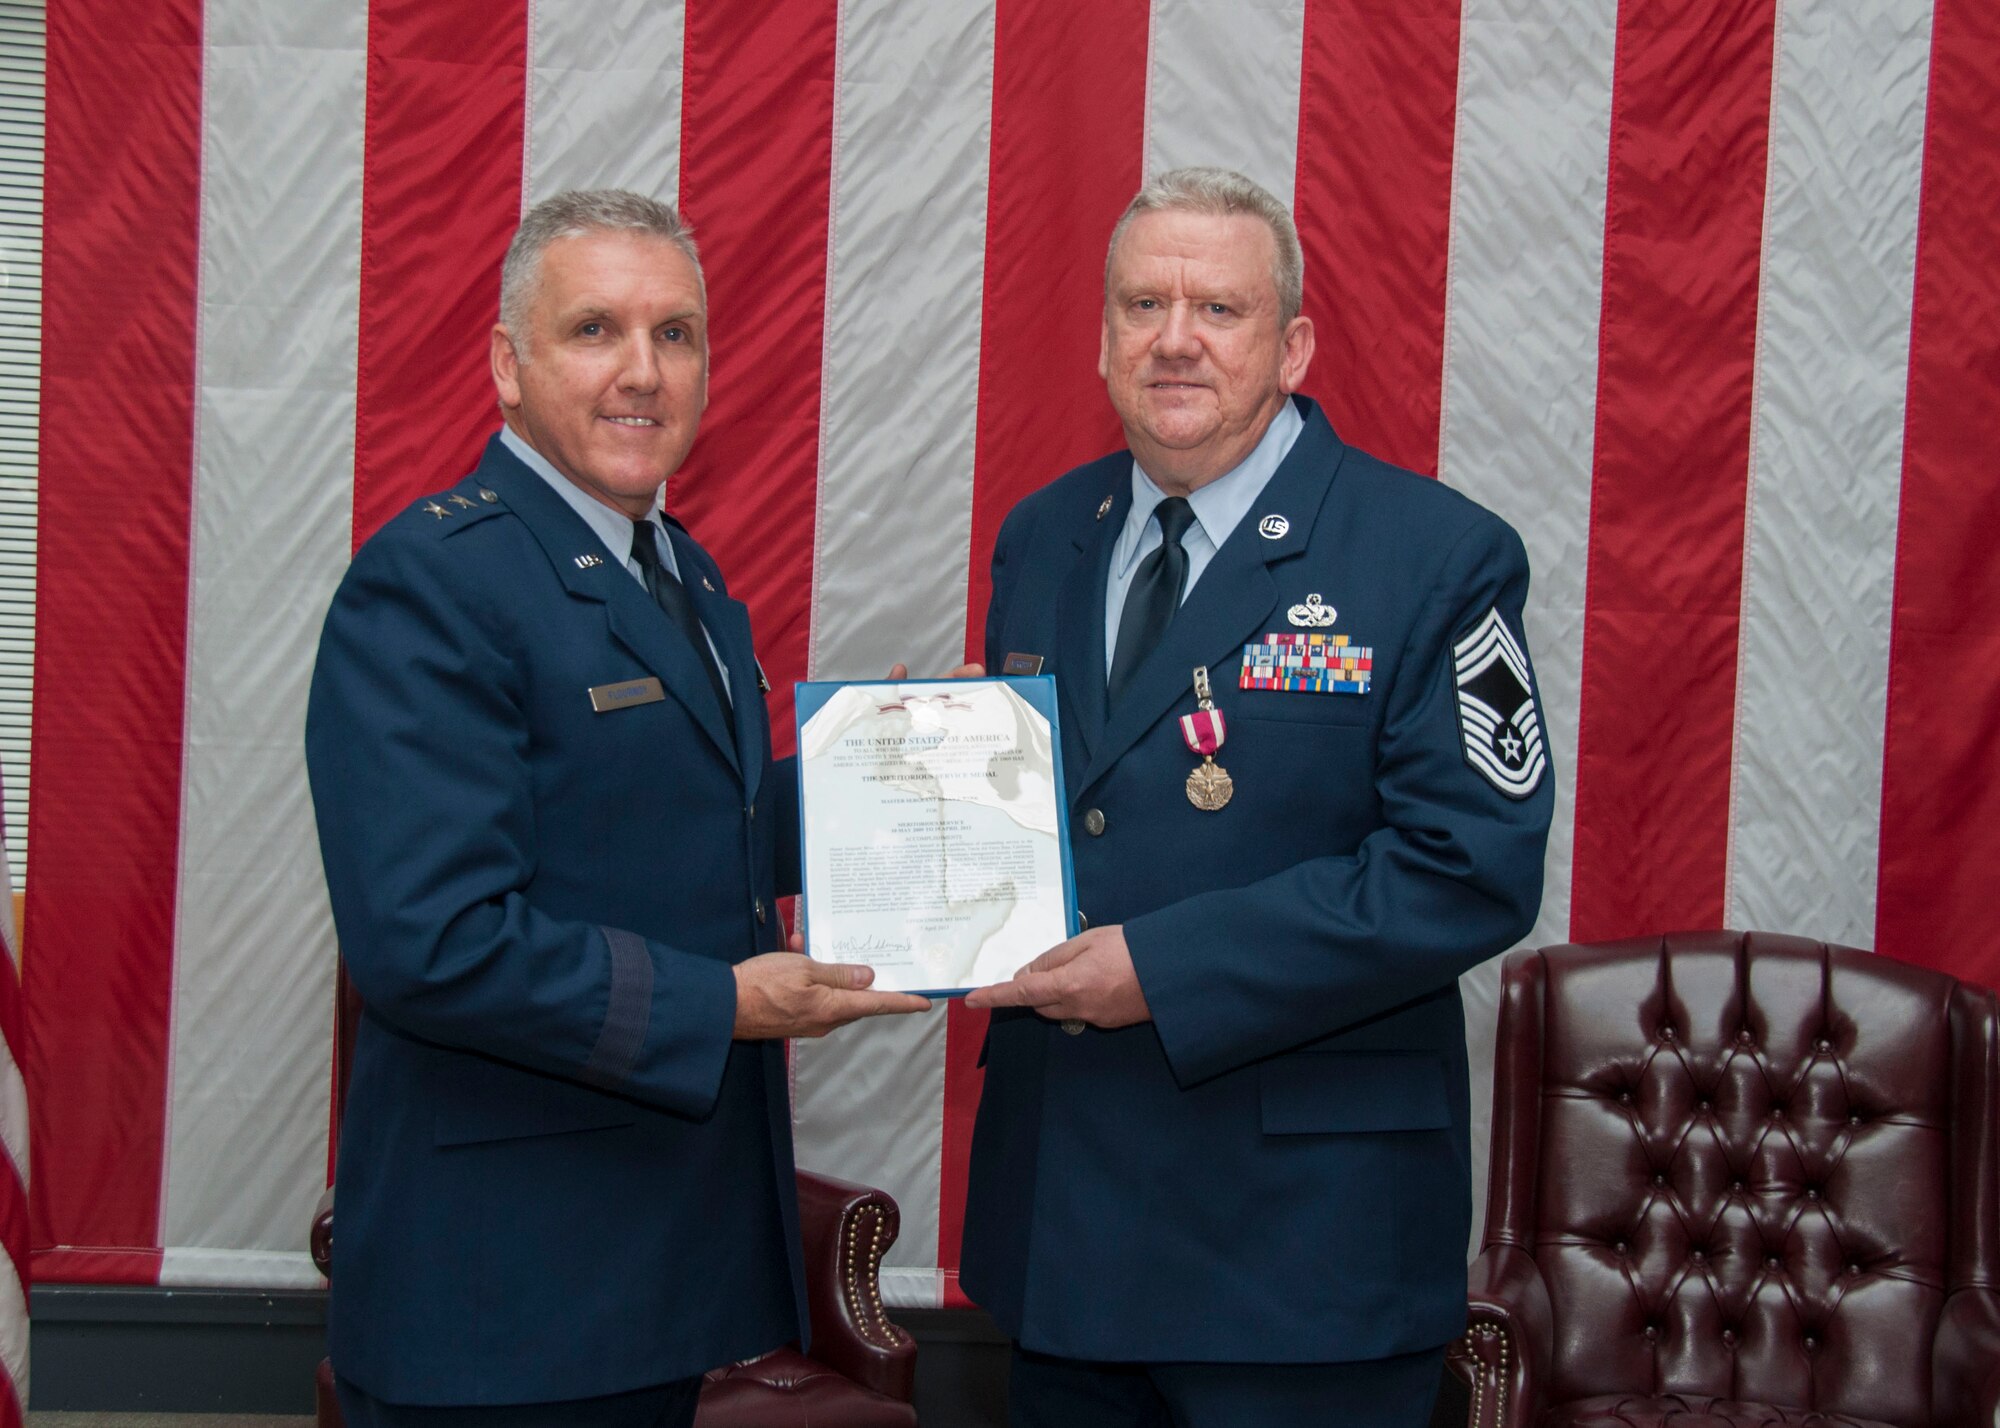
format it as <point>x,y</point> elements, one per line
<point>1223,193</point>
<point>573,214</point>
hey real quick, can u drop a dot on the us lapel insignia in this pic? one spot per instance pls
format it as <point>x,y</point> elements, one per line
<point>589,562</point>
<point>1104,509</point>
<point>435,509</point>
<point>706,586</point>
<point>1273,527</point>
<point>1498,724</point>
<point>1312,615</point>
<point>1313,664</point>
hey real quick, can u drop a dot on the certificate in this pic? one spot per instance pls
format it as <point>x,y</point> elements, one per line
<point>935,847</point>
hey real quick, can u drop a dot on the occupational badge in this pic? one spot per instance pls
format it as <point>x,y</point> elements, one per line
<point>1209,787</point>
<point>1314,614</point>
<point>1498,724</point>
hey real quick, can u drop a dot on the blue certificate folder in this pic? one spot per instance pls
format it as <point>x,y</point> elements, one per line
<point>1037,691</point>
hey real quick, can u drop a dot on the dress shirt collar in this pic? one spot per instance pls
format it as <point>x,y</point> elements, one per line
<point>614,528</point>
<point>1220,504</point>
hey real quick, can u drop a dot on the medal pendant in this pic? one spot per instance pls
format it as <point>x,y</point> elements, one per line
<point>1209,787</point>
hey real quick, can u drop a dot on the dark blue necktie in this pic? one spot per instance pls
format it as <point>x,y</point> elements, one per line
<point>665,588</point>
<point>1156,592</point>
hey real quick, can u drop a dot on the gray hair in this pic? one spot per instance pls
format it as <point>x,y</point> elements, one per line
<point>572,214</point>
<point>1223,193</point>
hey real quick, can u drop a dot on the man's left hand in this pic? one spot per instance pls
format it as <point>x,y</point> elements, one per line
<point>1088,978</point>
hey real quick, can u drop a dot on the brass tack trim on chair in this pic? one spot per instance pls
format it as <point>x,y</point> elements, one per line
<point>1484,1371</point>
<point>876,1326</point>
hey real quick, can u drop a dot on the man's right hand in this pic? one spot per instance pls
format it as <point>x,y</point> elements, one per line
<point>789,994</point>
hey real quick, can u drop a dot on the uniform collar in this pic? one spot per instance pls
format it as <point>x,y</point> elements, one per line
<point>614,528</point>
<point>1219,505</point>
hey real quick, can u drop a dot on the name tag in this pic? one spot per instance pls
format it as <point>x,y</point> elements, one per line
<point>1022,664</point>
<point>606,697</point>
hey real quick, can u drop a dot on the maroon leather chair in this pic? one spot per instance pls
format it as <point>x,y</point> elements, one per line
<point>862,1370</point>
<point>1739,1179</point>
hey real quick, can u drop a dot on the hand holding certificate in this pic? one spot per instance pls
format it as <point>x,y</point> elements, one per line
<point>935,848</point>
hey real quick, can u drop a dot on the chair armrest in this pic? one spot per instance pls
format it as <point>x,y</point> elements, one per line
<point>321,1239</point>
<point>1509,1340</point>
<point>846,1229</point>
<point>1965,1361</point>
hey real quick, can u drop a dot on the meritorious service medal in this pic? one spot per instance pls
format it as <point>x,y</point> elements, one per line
<point>1209,787</point>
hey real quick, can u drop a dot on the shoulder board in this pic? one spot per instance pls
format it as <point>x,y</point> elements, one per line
<point>465,504</point>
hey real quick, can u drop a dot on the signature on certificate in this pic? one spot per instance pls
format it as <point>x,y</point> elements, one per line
<point>852,945</point>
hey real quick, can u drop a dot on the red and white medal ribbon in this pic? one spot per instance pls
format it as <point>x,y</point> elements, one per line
<point>1204,731</point>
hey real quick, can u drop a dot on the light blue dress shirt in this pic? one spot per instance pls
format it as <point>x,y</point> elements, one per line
<point>1218,506</point>
<point>614,528</point>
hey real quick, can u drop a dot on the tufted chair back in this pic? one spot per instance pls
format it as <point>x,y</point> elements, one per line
<point>1749,1169</point>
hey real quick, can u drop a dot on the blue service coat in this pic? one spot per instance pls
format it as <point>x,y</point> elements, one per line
<point>1274,1169</point>
<point>558,1176</point>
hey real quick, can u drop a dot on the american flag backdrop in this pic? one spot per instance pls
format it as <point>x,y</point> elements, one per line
<point>1700,294</point>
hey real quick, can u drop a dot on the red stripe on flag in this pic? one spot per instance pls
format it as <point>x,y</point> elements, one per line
<point>756,181</point>
<point>1377,109</point>
<point>1690,122</point>
<point>1941,757</point>
<point>1069,122</point>
<point>441,196</point>
<point>964,1077</point>
<point>1069,118</point>
<point>118,363</point>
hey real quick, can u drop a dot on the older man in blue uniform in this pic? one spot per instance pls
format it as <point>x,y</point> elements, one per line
<point>553,838</point>
<point>1219,1174</point>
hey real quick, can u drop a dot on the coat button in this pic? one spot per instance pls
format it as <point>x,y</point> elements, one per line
<point>1093,822</point>
<point>757,906</point>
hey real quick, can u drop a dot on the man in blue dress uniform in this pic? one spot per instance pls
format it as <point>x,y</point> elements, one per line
<point>1219,1174</point>
<point>554,839</point>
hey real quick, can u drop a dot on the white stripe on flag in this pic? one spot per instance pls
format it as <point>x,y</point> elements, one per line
<point>905,270</point>
<point>14,1328</point>
<point>283,93</point>
<point>13,1107</point>
<point>604,97</point>
<point>1222,87</point>
<point>235,1268</point>
<point>1520,378</point>
<point>1833,352</point>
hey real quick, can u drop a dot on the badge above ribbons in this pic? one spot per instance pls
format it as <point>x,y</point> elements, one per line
<point>1498,724</point>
